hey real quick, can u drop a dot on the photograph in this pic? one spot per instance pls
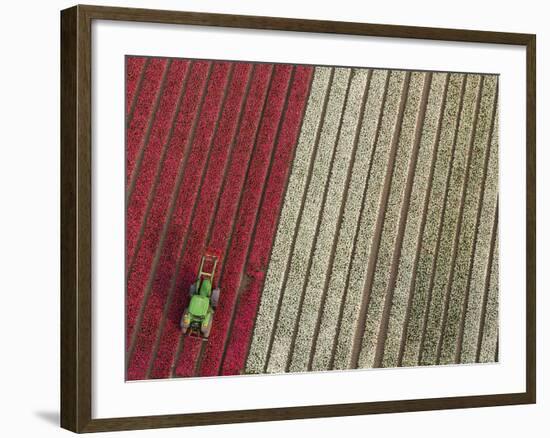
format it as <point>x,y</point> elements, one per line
<point>289,218</point>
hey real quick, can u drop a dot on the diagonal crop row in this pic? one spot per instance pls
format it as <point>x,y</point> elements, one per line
<point>430,234</point>
<point>328,225</point>
<point>343,356</point>
<point>451,222</point>
<point>142,113</point>
<point>134,75</point>
<point>226,212</point>
<point>209,192</point>
<point>413,225</point>
<point>469,223</point>
<point>239,336</point>
<point>332,308</point>
<point>249,204</point>
<point>292,291</point>
<point>481,261</point>
<point>140,198</point>
<point>390,227</point>
<point>179,222</point>
<point>488,351</point>
<point>266,317</point>
<point>178,150</point>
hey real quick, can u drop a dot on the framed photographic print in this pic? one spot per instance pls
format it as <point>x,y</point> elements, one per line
<point>268,218</point>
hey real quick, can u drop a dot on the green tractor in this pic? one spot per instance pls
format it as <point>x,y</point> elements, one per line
<point>197,318</point>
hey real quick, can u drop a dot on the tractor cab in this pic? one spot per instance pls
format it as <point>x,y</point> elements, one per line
<point>200,301</point>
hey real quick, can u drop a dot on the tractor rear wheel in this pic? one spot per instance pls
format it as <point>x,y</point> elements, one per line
<point>215,297</point>
<point>184,326</point>
<point>192,289</point>
<point>206,330</point>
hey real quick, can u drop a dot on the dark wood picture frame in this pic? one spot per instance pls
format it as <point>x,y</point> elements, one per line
<point>76,217</point>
